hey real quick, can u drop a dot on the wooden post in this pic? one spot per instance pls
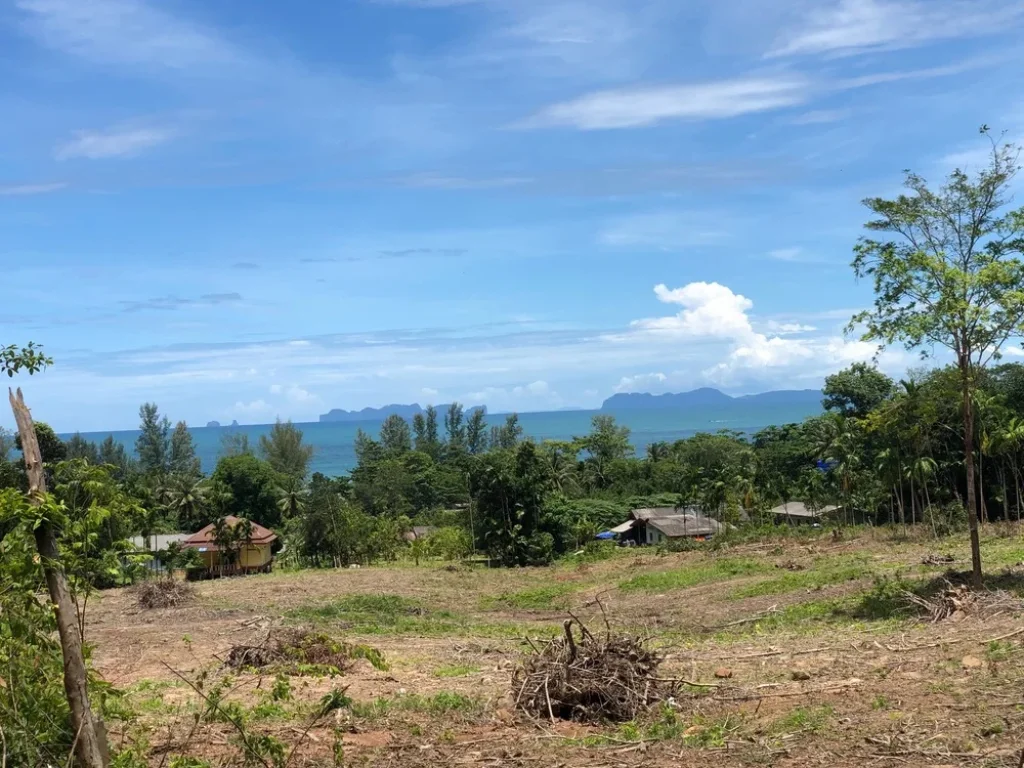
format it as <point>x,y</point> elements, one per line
<point>91,747</point>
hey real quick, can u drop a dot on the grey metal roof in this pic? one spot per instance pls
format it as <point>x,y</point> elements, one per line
<point>680,526</point>
<point>158,541</point>
<point>800,509</point>
<point>654,513</point>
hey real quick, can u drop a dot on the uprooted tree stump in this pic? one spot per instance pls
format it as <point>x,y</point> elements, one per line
<point>299,648</point>
<point>590,678</point>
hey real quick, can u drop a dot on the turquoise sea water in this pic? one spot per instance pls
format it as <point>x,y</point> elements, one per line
<point>333,442</point>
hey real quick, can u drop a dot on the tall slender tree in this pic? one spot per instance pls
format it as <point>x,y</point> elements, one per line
<point>947,273</point>
<point>153,443</point>
<point>183,459</point>
<point>284,450</point>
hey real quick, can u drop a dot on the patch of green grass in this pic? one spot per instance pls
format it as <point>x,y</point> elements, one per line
<point>456,670</point>
<point>547,598</point>
<point>704,572</point>
<point>396,615</point>
<point>669,725</point>
<point>438,705</point>
<point>807,719</point>
<point>999,650</point>
<point>791,581</point>
<point>880,702</point>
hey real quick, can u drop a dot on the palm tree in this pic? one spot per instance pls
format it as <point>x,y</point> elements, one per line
<point>560,457</point>
<point>291,500</point>
<point>188,499</point>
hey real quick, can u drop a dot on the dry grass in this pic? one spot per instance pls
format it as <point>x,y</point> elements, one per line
<point>807,676</point>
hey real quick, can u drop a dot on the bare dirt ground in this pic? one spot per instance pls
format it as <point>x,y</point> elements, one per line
<point>801,658</point>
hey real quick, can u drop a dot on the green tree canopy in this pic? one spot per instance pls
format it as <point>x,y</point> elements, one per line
<point>947,274</point>
<point>285,451</point>
<point>857,390</point>
<point>252,485</point>
<point>153,443</point>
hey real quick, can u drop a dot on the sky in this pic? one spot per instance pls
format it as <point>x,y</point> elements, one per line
<point>246,210</point>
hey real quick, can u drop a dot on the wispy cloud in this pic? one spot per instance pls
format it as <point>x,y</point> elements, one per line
<point>19,190</point>
<point>245,265</point>
<point>663,230</point>
<point>846,27</point>
<point>124,32</point>
<point>821,116</point>
<point>437,181</point>
<point>170,303</point>
<point>635,107</point>
<point>97,145</point>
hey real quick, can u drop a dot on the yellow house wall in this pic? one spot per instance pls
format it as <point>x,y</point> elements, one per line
<point>251,556</point>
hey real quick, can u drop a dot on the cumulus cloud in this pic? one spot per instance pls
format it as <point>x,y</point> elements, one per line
<point>254,409</point>
<point>713,312</point>
<point>709,310</point>
<point>642,382</point>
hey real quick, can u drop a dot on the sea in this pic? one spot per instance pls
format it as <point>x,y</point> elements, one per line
<point>334,453</point>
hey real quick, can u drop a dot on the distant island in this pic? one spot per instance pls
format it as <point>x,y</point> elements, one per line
<point>706,397</point>
<point>379,414</point>
<point>218,424</point>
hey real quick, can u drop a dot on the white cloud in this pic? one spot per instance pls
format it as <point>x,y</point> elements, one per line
<point>663,230</point>
<point>845,27</point>
<point>642,382</point>
<point>429,392</point>
<point>786,254</point>
<point>253,409</point>
<point>774,326</point>
<point>1013,351</point>
<point>126,142</point>
<point>633,107</point>
<point>19,190</point>
<point>298,396</point>
<point>710,310</point>
<point>129,32</point>
<point>276,389</point>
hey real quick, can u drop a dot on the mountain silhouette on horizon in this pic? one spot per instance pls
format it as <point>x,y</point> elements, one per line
<point>708,397</point>
<point>396,409</point>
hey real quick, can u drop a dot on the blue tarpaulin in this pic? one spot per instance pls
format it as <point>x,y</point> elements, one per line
<point>605,535</point>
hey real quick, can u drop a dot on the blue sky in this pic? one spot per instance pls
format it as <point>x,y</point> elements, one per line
<point>251,209</point>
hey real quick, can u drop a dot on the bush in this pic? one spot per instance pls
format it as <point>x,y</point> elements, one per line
<point>946,519</point>
<point>450,543</point>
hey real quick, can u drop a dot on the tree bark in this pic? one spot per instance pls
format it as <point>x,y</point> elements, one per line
<point>91,747</point>
<point>972,496</point>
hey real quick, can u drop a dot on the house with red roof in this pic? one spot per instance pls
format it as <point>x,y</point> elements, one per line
<point>246,547</point>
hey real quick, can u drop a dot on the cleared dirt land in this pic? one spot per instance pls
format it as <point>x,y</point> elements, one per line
<point>806,653</point>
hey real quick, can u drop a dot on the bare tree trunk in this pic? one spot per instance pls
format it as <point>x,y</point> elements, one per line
<point>91,747</point>
<point>972,495</point>
<point>981,486</point>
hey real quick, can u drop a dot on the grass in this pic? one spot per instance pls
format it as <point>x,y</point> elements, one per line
<point>386,614</point>
<point>668,725</point>
<point>792,581</point>
<point>438,705</point>
<point>552,597</point>
<point>707,571</point>
<point>456,670</point>
<point>805,719</point>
